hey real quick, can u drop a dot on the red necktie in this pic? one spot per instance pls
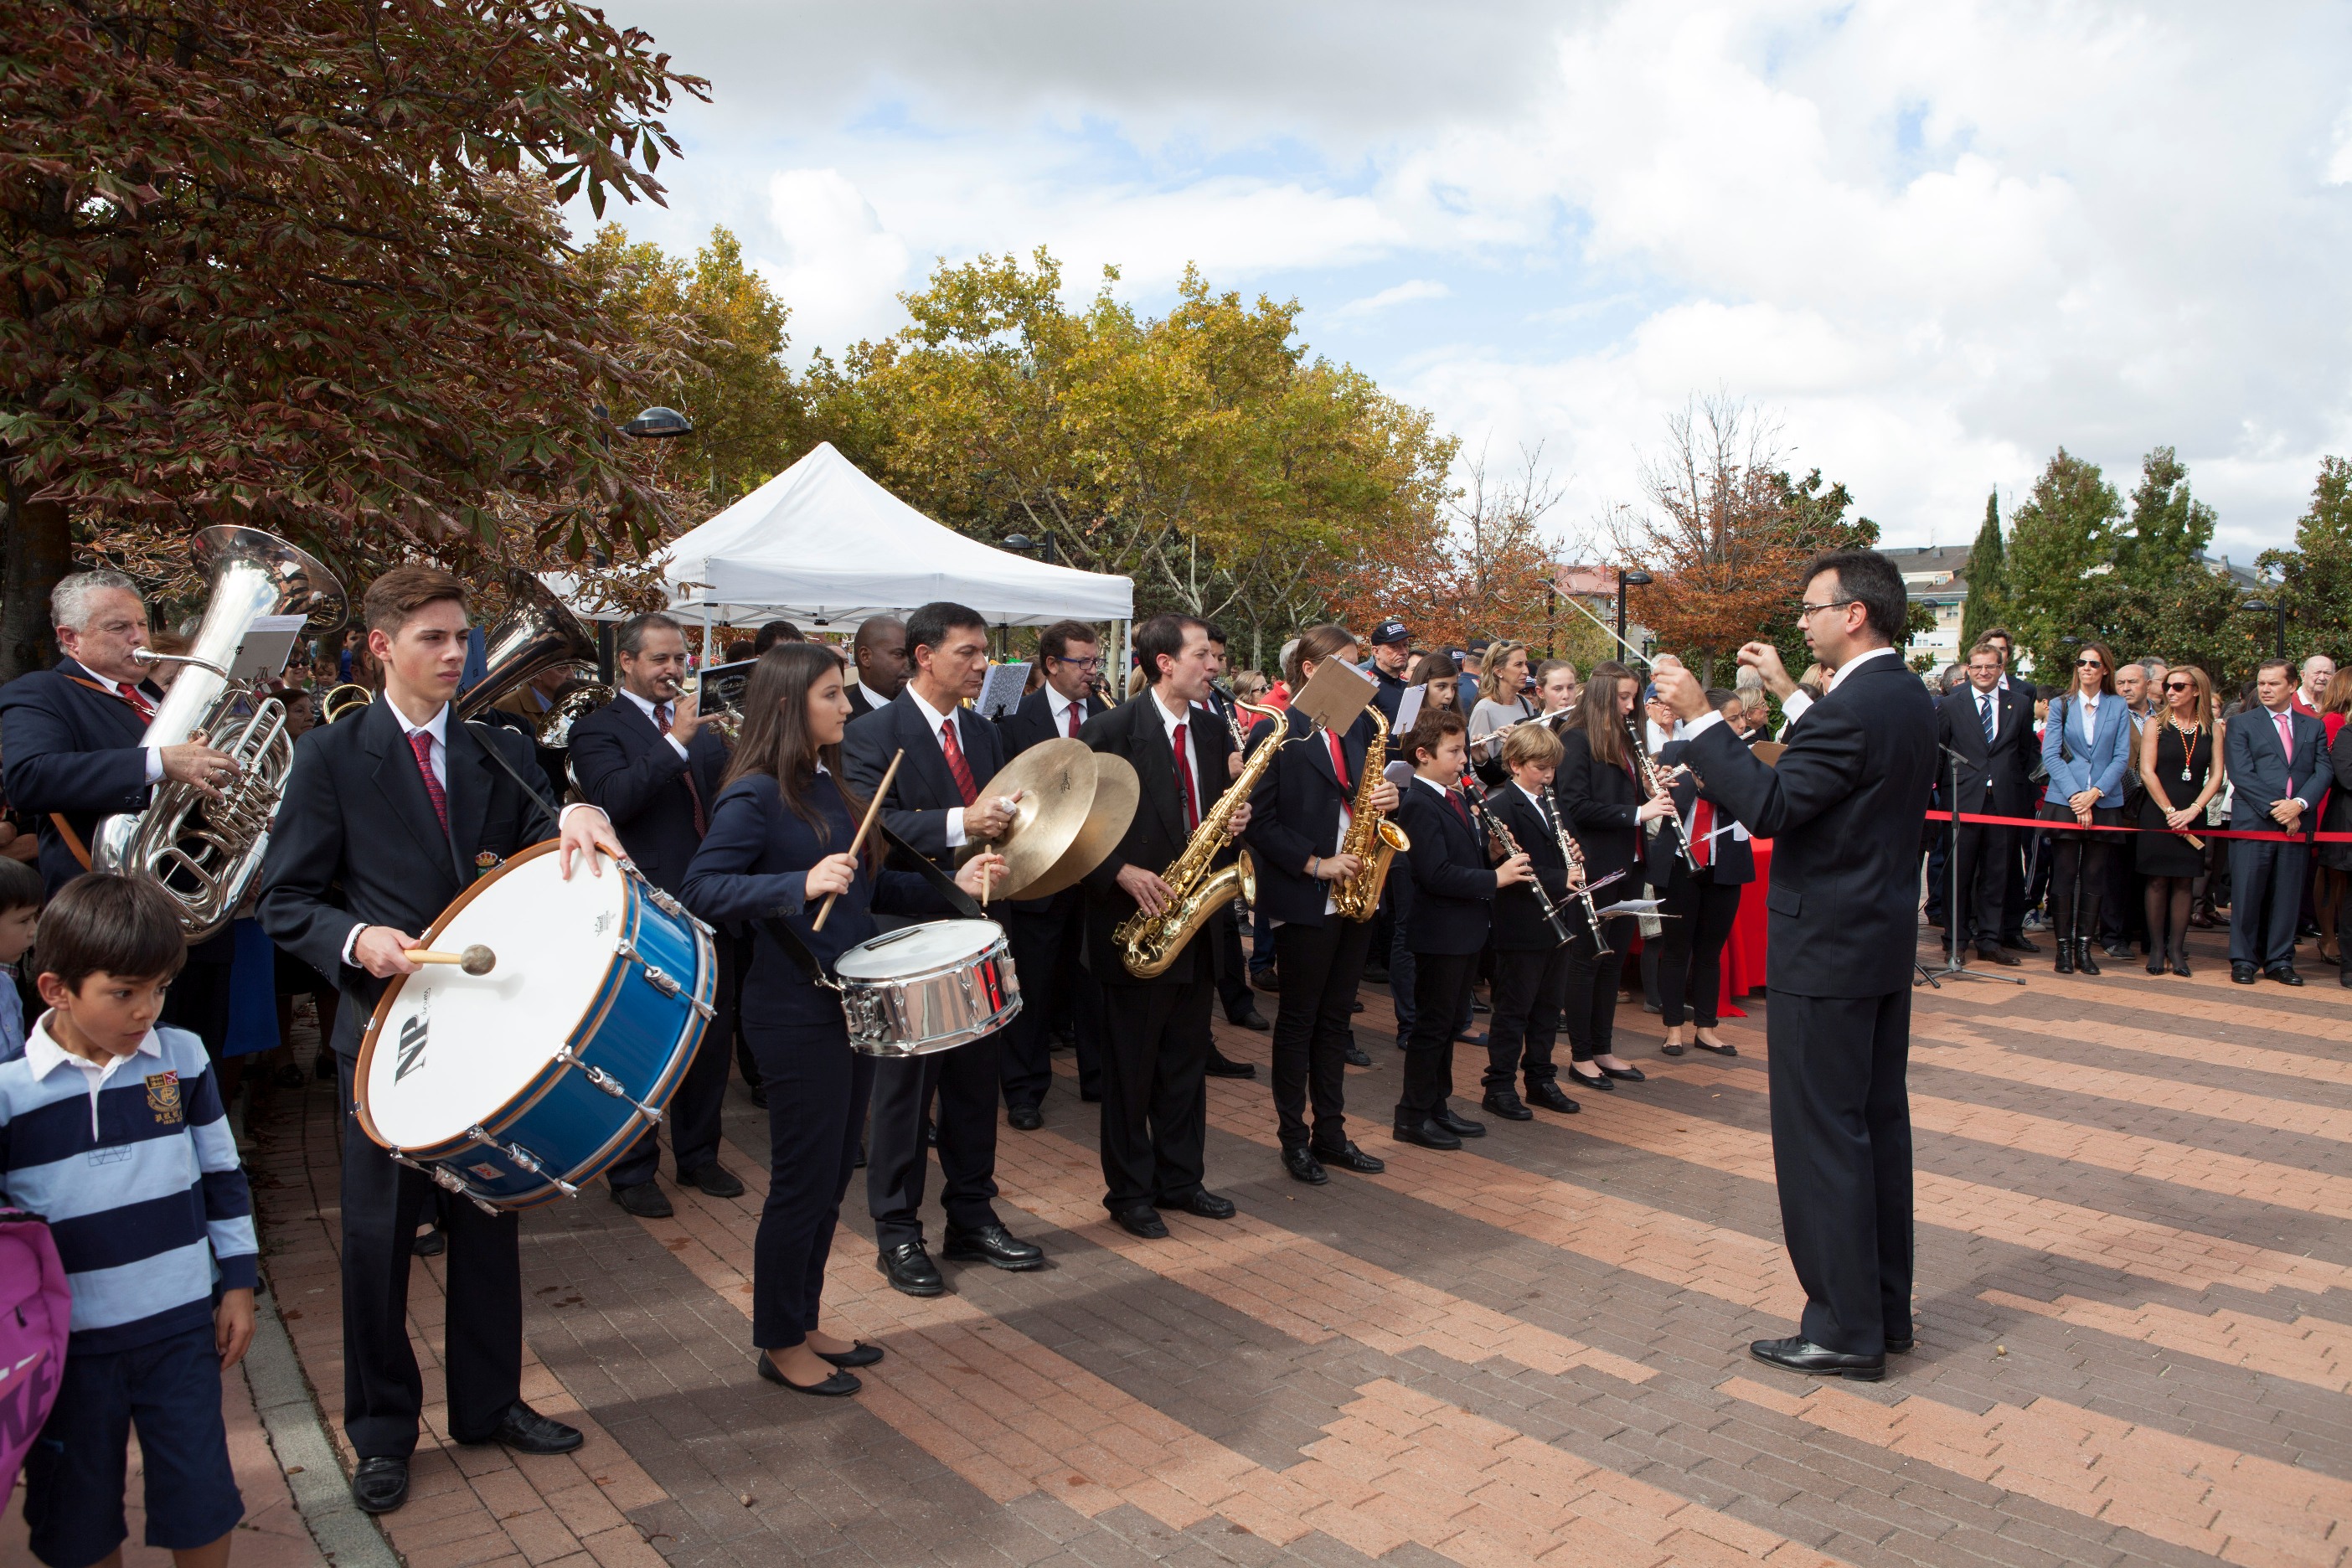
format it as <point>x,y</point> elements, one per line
<point>956,765</point>
<point>1703,832</point>
<point>1460,810</point>
<point>140,701</point>
<point>1340,772</point>
<point>701,824</point>
<point>1072,711</point>
<point>420,742</point>
<point>1183,749</point>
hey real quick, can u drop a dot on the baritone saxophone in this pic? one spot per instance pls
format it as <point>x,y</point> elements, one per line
<point>1371,837</point>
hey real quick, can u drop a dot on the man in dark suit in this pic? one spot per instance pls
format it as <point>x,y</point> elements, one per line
<point>936,806</point>
<point>879,651</point>
<point>1391,653</point>
<point>2278,762</point>
<point>1155,1108</point>
<point>1841,807</point>
<point>1045,931</point>
<point>650,761</point>
<point>1224,928</point>
<point>1991,729</point>
<point>2020,694</point>
<point>385,820</point>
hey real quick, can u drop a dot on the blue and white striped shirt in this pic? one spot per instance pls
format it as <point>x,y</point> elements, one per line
<point>135,1171</point>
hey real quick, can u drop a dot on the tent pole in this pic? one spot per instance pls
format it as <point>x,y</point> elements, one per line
<point>1126,659</point>
<point>705,634</point>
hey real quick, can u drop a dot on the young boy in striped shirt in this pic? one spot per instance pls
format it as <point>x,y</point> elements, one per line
<point>112,1130</point>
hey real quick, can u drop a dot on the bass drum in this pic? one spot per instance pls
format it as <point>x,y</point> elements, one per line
<point>515,1086</point>
<point>930,987</point>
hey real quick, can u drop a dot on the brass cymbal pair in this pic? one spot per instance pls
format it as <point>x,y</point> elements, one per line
<point>1074,808</point>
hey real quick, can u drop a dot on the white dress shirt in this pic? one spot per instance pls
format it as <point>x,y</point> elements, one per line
<point>122,689</point>
<point>646,706</point>
<point>1058,708</point>
<point>1988,703</point>
<point>932,721</point>
<point>1795,705</point>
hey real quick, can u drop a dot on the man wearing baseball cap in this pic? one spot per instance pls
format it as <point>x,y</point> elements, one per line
<point>1391,651</point>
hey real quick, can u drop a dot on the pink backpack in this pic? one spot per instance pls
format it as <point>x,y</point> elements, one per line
<point>35,1315</point>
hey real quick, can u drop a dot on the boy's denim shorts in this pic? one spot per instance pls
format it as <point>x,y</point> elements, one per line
<point>74,1474</point>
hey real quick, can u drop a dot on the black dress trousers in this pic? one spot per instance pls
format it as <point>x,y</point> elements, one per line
<point>482,1351</point>
<point>965,1083</point>
<point>1320,966</point>
<point>694,1109</point>
<point>1442,984</point>
<point>1842,1159</point>
<point>817,1089</point>
<point>1155,1096</point>
<point>1045,960</point>
<point>1530,987</point>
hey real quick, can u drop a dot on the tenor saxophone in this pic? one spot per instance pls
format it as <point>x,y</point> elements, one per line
<point>1372,839</point>
<point>1148,944</point>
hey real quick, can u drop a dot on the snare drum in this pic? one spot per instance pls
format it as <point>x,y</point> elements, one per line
<point>513,1087</point>
<point>924,988</point>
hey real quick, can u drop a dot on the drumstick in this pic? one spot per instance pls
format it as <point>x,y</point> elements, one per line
<point>872,812</point>
<point>475,960</point>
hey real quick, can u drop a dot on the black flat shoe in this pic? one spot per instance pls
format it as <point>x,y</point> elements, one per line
<point>1507,1105</point>
<point>1550,1095</point>
<point>2181,967</point>
<point>1726,1048</point>
<point>1199,1201</point>
<point>1428,1135</point>
<point>1025,1119</point>
<point>1352,1158</point>
<point>994,1246</point>
<point>2020,945</point>
<point>380,1485</point>
<point>429,1243</point>
<point>1601,1085</point>
<point>1799,1354</point>
<point>1460,1126</point>
<point>1631,1074</point>
<point>1357,1058</point>
<point>1999,956</point>
<point>834,1387</point>
<point>714,1179</point>
<point>526,1431</point>
<point>1140,1220</point>
<point>1303,1166</point>
<point>859,1353</point>
<point>2155,964</point>
<point>1225,1066</point>
<point>1898,1347</point>
<point>911,1271</point>
<point>1671,1048</point>
<point>645,1200</point>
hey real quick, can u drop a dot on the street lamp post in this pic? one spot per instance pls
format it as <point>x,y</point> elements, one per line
<point>655,424</point>
<point>1625,580</point>
<point>2262,607</point>
<point>1023,544</point>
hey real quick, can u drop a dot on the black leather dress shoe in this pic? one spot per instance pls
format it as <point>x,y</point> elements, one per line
<point>1357,1058</point>
<point>1266,980</point>
<point>1991,953</point>
<point>1250,1019</point>
<point>645,1200</point>
<point>1141,1220</point>
<point>715,1180</point>
<point>1631,1074</point>
<point>1429,1135</point>
<point>2020,945</point>
<point>2241,973</point>
<point>380,1485</point>
<point>1551,1097</point>
<point>911,1271</point>
<point>834,1387</point>
<point>859,1353</point>
<point>994,1246</point>
<point>429,1243</point>
<point>1898,1347</point>
<point>1302,1164</point>
<point>1803,1355</point>
<point>2286,976</point>
<point>1352,1158</point>
<point>2116,949</point>
<point>1460,1126</point>
<point>1221,1066</point>
<point>1025,1118</point>
<point>1507,1104</point>
<point>526,1431</point>
<point>1199,1201</point>
<point>759,1093</point>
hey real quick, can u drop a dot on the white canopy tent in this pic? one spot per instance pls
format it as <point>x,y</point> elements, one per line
<point>824,545</point>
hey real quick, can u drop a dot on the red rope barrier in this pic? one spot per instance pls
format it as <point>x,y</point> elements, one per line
<point>2200,832</point>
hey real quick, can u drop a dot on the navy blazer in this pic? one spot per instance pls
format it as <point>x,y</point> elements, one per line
<point>755,862</point>
<point>73,751</point>
<point>1994,779</point>
<point>924,792</point>
<point>1603,803</point>
<point>1519,923</point>
<point>2260,774</point>
<point>2099,757</point>
<point>1294,812</point>
<point>356,842</point>
<point>1734,861</point>
<point>1157,833</point>
<point>1842,810</point>
<point>1030,723</point>
<point>627,768</point>
<point>1453,886</point>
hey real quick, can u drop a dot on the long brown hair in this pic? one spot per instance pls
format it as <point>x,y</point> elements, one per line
<point>1597,715</point>
<point>775,740</point>
<point>2203,689</point>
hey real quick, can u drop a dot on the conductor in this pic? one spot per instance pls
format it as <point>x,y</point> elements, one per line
<point>1841,807</point>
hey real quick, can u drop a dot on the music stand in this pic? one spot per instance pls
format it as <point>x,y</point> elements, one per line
<point>1956,965</point>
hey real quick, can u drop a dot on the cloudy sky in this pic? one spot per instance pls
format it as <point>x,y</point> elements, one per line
<point>1936,242</point>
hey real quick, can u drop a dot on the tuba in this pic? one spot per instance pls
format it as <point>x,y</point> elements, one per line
<point>1148,944</point>
<point>537,632</point>
<point>1371,837</point>
<point>203,850</point>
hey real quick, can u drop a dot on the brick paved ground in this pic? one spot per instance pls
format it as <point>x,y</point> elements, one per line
<point>2135,1322</point>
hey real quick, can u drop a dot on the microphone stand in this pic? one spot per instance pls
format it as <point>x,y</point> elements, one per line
<point>1956,967</point>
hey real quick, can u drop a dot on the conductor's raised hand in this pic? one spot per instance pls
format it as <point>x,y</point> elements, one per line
<point>831,874</point>
<point>1678,688</point>
<point>981,872</point>
<point>1765,661</point>
<point>584,831</point>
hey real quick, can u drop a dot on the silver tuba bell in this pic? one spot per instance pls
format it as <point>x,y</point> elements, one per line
<point>203,850</point>
<point>536,632</point>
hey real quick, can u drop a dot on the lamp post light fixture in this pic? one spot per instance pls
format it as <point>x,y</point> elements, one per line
<point>2264,607</point>
<point>1022,544</point>
<point>1625,580</point>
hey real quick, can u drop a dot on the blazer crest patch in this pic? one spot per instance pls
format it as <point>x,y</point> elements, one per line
<point>163,1097</point>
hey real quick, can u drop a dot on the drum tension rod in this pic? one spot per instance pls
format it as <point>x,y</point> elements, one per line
<point>445,1177</point>
<point>605,1081</point>
<point>661,982</point>
<point>523,1157</point>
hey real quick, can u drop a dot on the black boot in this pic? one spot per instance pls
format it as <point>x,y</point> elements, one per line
<point>2083,959</point>
<point>2065,964</point>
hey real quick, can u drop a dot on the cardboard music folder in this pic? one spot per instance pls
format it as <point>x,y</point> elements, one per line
<point>1334,696</point>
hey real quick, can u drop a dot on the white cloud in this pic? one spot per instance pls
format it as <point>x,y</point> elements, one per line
<point>840,267</point>
<point>1405,293</point>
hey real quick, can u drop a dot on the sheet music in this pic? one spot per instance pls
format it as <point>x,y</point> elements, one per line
<point>1000,692</point>
<point>1407,708</point>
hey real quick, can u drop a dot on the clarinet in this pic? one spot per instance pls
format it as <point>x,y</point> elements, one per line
<point>1495,829</point>
<point>1575,858</point>
<point>1655,783</point>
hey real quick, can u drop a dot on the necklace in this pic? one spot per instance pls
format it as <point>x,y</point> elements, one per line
<point>2189,735</point>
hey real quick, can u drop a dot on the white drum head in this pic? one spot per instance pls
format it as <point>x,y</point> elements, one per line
<point>454,1046</point>
<point>917,950</point>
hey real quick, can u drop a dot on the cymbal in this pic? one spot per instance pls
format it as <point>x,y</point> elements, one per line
<point>1056,780</point>
<point>1117,791</point>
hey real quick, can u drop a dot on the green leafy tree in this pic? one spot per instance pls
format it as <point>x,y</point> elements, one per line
<point>2063,536</point>
<point>1987,602</point>
<point>2315,576</point>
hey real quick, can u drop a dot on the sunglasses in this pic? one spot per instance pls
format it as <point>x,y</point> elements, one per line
<point>2178,686</point>
<point>2089,664</point>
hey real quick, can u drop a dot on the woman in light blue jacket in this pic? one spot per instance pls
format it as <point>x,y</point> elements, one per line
<point>2084,747</point>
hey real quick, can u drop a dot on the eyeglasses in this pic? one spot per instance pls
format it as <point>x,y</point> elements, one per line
<point>2089,662</point>
<point>1084,664</point>
<point>2180,686</point>
<point>1806,611</point>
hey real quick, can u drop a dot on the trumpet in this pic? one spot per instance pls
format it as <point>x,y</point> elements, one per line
<point>1561,931</point>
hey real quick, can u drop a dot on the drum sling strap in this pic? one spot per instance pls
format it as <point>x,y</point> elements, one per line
<point>964,905</point>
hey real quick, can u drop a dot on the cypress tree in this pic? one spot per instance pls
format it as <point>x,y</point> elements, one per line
<point>1988,568</point>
